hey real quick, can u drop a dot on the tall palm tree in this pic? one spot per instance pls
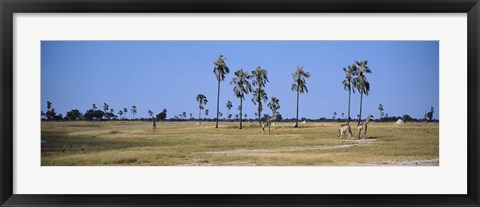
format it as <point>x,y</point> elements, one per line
<point>220,69</point>
<point>299,85</point>
<point>229,106</point>
<point>150,113</point>
<point>350,71</point>
<point>361,83</point>
<point>260,78</point>
<point>206,113</point>
<point>120,113</point>
<point>274,105</point>
<point>241,87</point>
<point>202,101</point>
<point>134,111</point>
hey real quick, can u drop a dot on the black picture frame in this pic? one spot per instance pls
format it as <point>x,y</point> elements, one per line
<point>9,7</point>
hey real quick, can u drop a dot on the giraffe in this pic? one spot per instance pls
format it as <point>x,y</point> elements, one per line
<point>344,129</point>
<point>363,126</point>
<point>154,125</point>
<point>267,123</point>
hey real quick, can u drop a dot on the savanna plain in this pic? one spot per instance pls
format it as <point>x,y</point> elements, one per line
<point>134,143</point>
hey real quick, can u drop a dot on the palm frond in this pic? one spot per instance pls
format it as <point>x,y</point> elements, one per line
<point>220,68</point>
<point>294,87</point>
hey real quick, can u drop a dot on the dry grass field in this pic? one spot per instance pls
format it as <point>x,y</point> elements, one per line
<point>133,143</point>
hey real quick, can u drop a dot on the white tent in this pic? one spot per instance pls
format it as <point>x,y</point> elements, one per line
<point>400,122</point>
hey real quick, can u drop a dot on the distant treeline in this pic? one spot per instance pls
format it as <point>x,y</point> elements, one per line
<point>108,115</point>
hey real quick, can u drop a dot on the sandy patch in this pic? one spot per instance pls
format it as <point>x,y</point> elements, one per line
<point>433,162</point>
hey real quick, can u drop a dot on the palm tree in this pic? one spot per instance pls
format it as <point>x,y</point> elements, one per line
<point>125,111</point>
<point>105,107</point>
<point>202,101</point>
<point>206,113</point>
<point>380,109</point>
<point>274,105</point>
<point>134,111</point>
<point>299,85</point>
<point>260,78</point>
<point>334,114</point>
<point>184,114</point>
<point>105,110</point>
<point>429,114</point>
<point>120,113</point>
<point>229,106</point>
<point>49,109</point>
<point>94,107</point>
<point>49,105</point>
<point>259,96</point>
<point>150,112</point>
<point>361,83</point>
<point>112,113</point>
<point>220,69</point>
<point>350,71</point>
<point>241,87</point>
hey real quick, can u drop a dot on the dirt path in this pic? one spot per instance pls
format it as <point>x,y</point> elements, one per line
<point>433,162</point>
<point>291,149</point>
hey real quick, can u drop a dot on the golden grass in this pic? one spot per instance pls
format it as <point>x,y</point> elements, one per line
<point>185,143</point>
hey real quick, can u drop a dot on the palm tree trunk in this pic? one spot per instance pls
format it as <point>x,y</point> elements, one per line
<point>296,121</point>
<point>199,114</point>
<point>349,95</point>
<point>241,109</point>
<point>259,113</point>
<point>218,102</point>
<point>360,117</point>
<point>258,100</point>
<point>228,114</point>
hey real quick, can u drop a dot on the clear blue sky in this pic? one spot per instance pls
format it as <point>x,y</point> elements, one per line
<point>169,74</point>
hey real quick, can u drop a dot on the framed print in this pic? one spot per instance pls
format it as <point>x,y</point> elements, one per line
<point>264,103</point>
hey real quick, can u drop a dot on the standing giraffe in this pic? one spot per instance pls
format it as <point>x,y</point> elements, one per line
<point>267,123</point>
<point>363,126</point>
<point>154,125</point>
<point>344,129</point>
